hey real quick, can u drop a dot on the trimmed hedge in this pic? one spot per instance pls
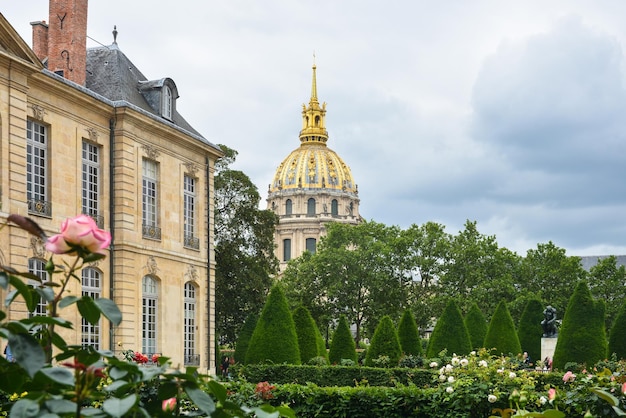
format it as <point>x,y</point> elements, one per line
<point>342,346</point>
<point>582,338</point>
<point>501,336</point>
<point>449,333</point>
<point>384,343</point>
<point>408,335</point>
<point>274,339</point>
<point>530,331</point>
<point>476,325</point>
<point>334,375</point>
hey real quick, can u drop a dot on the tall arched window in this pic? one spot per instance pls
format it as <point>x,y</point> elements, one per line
<point>311,244</point>
<point>168,102</point>
<point>334,208</point>
<point>149,312</point>
<point>286,249</point>
<point>310,207</point>
<point>92,287</point>
<point>189,325</point>
<point>38,268</point>
<point>288,207</point>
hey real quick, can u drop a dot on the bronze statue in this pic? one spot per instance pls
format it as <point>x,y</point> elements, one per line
<point>549,322</point>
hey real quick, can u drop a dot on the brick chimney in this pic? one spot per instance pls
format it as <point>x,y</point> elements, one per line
<point>67,39</point>
<point>40,39</point>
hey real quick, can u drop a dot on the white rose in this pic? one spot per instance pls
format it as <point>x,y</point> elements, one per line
<point>492,398</point>
<point>433,364</point>
<point>451,379</point>
<point>512,375</point>
<point>449,389</point>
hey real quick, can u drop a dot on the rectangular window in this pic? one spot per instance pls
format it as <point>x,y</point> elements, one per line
<point>90,333</point>
<point>150,200</point>
<point>286,249</point>
<point>37,169</point>
<point>190,325</point>
<point>189,213</point>
<point>38,268</point>
<point>91,183</point>
<point>149,316</point>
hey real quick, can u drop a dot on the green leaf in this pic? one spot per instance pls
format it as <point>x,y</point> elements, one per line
<point>218,390</point>
<point>118,407</point>
<point>201,399</point>
<point>4,280</point>
<point>59,375</point>
<point>47,320</point>
<point>285,411</point>
<point>88,309</point>
<point>25,408</point>
<point>553,413</point>
<point>28,353</point>
<point>67,301</point>
<point>61,406</point>
<point>22,289</point>
<point>612,400</point>
<point>110,310</point>
<point>167,389</point>
<point>259,412</point>
<point>91,257</point>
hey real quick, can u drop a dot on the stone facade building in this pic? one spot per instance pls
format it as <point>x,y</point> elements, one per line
<point>311,187</point>
<point>84,131</point>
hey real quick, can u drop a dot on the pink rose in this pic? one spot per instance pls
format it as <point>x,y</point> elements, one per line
<point>169,405</point>
<point>624,388</point>
<point>569,377</point>
<point>80,231</point>
<point>551,394</point>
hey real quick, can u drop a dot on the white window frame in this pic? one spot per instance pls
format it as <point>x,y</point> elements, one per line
<point>168,102</point>
<point>149,193</point>
<point>38,268</point>
<point>149,315</point>
<point>37,190</point>
<point>189,208</point>
<point>90,183</point>
<point>91,280</point>
<point>189,324</point>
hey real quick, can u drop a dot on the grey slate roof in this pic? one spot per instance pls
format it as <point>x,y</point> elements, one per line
<point>591,260</point>
<point>112,75</point>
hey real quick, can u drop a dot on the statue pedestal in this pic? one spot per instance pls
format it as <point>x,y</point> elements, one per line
<point>548,345</point>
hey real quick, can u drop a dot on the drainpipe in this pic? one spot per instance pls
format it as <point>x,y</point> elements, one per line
<point>111,224</point>
<point>208,262</point>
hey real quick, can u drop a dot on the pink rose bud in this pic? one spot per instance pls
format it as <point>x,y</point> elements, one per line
<point>624,388</point>
<point>552,394</point>
<point>80,231</point>
<point>169,405</point>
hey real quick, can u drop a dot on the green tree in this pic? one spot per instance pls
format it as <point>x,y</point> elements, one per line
<point>449,333</point>
<point>243,339</point>
<point>529,330</point>
<point>342,345</point>
<point>501,335</point>
<point>274,338</point>
<point>384,343</point>
<point>617,337</point>
<point>582,338</point>
<point>244,248</point>
<point>476,325</point>
<point>606,282</point>
<point>549,274</point>
<point>307,333</point>
<point>408,335</point>
<point>478,271</point>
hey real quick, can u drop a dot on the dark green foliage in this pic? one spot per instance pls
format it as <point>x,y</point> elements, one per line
<point>321,344</point>
<point>408,335</point>
<point>274,339</point>
<point>243,340</point>
<point>449,333</point>
<point>582,338</point>
<point>530,331</point>
<point>342,345</point>
<point>501,335</point>
<point>384,343</point>
<point>307,333</point>
<point>617,338</point>
<point>476,325</point>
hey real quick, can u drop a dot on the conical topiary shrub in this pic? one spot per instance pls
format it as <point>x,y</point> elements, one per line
<point>501,336</point>
<point>582,338</point>
<point>384,343</point>
<point>449,333</point>
<point>243,339</point>
<point>342,345</point>
<point>307,334</point>
<point>476,325</point>
<point>617,338</point>
<point>408,335</point>
<point>321,344</point>
<point>274,339</point>
<point>530,331</point>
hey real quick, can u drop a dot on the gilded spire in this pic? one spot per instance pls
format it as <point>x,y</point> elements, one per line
<point>313,117</point>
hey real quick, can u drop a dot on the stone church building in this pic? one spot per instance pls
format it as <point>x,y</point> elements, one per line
<point>311,187</point>
<point>84,131</point>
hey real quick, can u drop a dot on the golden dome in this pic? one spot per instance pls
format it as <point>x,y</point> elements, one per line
<point>313,165</point>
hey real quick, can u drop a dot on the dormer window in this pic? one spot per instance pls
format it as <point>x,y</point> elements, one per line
<point>167,102</point>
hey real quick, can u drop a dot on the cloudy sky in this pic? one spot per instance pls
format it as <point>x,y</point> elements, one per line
<point>509,113</point>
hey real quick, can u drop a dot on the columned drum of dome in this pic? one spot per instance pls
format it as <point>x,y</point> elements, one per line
<point>311,187</point>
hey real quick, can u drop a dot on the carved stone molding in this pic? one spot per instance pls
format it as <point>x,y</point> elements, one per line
<point>93,134</point>
<point>37,245</point>
<point>151,265</point>
<point>38,112</point>
<point>192,168</point>
<point>191,274</point>
<point>150,151</point>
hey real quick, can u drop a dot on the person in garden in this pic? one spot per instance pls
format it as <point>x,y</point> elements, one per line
<point>8,354</point>
<point>225,365</point>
